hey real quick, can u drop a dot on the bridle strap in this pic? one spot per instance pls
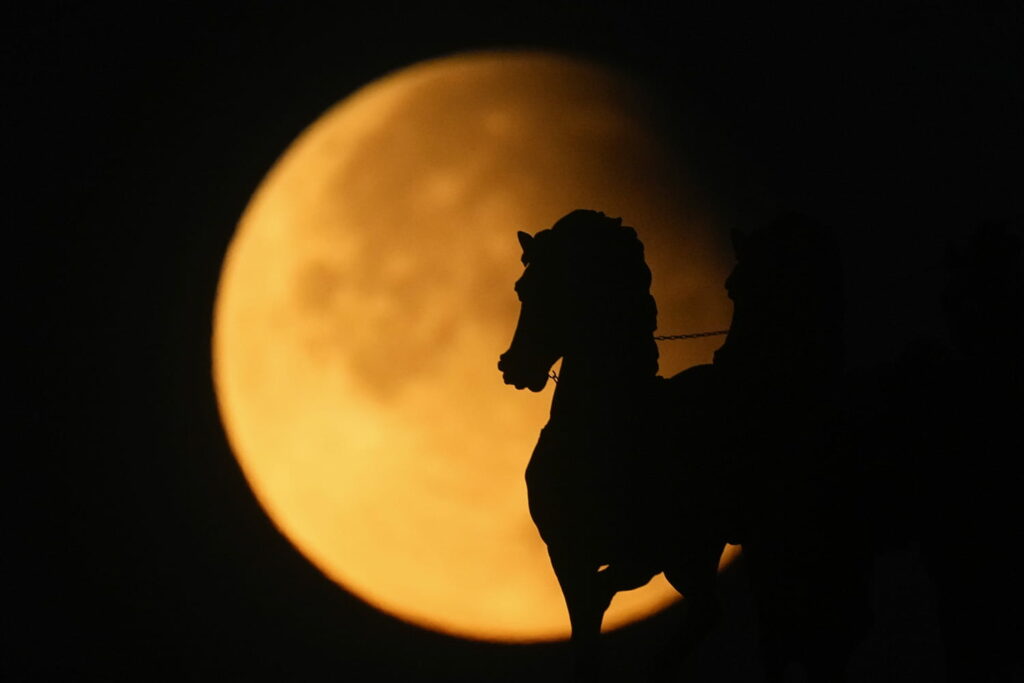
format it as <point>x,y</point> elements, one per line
<point>667,337</point>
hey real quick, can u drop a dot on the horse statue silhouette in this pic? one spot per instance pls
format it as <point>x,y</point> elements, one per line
<point>620,484</point>
<point>967,421</point>
<point>778,402</point>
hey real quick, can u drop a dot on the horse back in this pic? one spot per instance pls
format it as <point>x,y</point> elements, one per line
<point>692,383</point>
<point>696,468</point>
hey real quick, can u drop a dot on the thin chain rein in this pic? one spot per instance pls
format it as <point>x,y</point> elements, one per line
<point>667,337</point>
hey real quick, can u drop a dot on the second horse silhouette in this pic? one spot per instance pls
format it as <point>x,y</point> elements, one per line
<point>621,484</point>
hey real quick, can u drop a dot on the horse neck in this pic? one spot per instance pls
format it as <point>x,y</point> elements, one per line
<point>601,373</point>
<point>781,353</point>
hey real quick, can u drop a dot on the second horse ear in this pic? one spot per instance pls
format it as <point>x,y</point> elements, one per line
<point>525,240</point>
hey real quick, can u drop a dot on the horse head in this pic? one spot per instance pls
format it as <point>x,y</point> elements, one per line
<point>787,293</point>
<point>539,337</point>
<point>585,287</point>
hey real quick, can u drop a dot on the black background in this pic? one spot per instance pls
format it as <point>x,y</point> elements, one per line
<point>137,137</point>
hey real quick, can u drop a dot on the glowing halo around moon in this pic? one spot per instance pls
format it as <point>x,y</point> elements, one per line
<point>367,294</point>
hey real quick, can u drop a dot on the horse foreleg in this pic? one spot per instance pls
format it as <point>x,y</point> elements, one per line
<point>696,580</point>
<point>586,599</point>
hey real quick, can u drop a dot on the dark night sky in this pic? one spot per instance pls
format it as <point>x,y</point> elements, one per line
<point>139,138</point>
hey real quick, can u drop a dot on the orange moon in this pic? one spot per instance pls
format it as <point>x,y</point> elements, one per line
<point>365,298</point>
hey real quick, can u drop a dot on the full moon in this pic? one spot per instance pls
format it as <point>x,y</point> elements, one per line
<point>365,298</point>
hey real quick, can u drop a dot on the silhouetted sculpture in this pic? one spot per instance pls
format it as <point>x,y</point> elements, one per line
<point>619,476</point>
<point>959,434</point>
<point>777,379</point>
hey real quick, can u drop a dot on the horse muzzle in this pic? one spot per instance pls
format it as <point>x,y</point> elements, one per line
<point>518,378</point>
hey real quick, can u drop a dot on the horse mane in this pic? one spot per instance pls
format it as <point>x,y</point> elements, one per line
<point>605,278</point>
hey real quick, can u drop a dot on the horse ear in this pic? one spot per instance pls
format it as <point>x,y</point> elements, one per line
<point>739,243</point>
<point>525,240</point>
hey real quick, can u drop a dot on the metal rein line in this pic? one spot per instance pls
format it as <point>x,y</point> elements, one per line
<point>692,335</point>
<point>667,337</point>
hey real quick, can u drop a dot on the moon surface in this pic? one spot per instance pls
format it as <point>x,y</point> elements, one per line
<point>367,294</point>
